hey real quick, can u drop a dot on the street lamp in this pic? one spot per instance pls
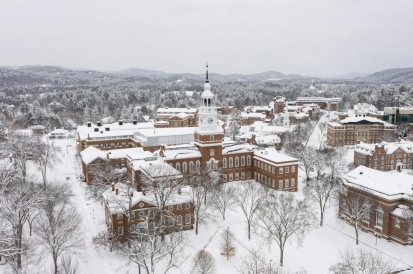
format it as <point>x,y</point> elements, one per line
<point>270,266</point>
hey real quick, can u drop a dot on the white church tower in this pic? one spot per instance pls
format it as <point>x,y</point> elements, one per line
<point>286,122</point>
<point>209,135</point>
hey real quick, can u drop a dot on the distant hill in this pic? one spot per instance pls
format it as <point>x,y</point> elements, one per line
<point>397,75</point>
<point>351,75</point>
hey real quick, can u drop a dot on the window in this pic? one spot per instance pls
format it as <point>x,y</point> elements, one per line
<point>178,207</point>
<point>292,182</point>
<point>273,183</point>
<point>179,219</point>
<point>242,175</point>
<point>178,166</point>
<point>224,177</point>
<point>198,165</point>
<point>224,163</point>
<point>259,177</point>
<point>242,161</point>
<point>188,218</point>
<point>120,216</point>
<point>191,166</point>
<point>287,183</point>
<point>230,177</point>
<point>230,162</point>
<point>287,169</point>
<point>132,214</point>
<point>293,169</point>
<point>248,174</point>
<point>211,138</point>
<point>150,211</point>
<point>248,160</point>
<point>212,152</point>
<point>170,221</point>
<point>280,184</point>
<point>141,213</point>
<point>366,215</point>
<point>187,205</point>
<point>236,161</point>
<point>236,176</point>
<point>255,175</point>
<point>120,230</point>
<point>379,216</point>
<point>184,167</point>
<point>397,223</point>
<point>281,170</point>
<point>273,169</point>
<point>262,165</point>
<point>170,208</point>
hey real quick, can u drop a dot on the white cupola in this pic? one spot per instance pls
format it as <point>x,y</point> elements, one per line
<point>207,96</point>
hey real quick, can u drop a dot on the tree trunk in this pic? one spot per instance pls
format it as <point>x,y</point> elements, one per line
<point>19,246</point>
<point>196,227</point>
<point>357,234</point>
<point>281,256</point>
<point>249,230</point>
<point>321,218</point>
<point>55,264</point>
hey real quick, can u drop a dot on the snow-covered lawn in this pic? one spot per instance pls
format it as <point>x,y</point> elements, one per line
<point>317,253</point>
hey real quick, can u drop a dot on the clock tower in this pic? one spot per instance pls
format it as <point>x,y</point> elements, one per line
<point>209,135</point>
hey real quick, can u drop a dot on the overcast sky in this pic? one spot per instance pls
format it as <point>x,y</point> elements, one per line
<point>308,37</point>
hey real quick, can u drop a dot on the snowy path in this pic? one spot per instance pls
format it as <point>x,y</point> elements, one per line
<point>316,135</point>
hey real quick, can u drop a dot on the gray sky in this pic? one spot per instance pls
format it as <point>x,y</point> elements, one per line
<point>309,37</point>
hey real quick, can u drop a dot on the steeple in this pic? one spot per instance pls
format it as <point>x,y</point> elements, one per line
<point>207,80</point>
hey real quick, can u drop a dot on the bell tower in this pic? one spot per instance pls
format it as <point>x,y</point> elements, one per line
<point>209,135</point>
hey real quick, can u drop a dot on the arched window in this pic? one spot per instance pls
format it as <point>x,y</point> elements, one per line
<point>212,152</point>
<point>242,161</point>
<point>366,215</point>
<point>379,216</point>
<point>178,166</point>
<point>236,161</point>
<point>392,161</point>
<point>188,218</point>
<point>170,221</point>
<point>198,165</point>
<point>191,166</point>
<point>211,164</point>
<point>230,163</point>
<point>184,167</point>
<point>179,219</point>
<point>224,163</point>
<point>248,160</point>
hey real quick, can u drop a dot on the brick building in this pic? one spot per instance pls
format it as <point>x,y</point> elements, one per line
<point>279,104</point>
<point>384,156</point>
<point>181,117</point>
<point>359,127</point>
<point>178,211</point>
<point>323,102</point>
<point>391,197</point>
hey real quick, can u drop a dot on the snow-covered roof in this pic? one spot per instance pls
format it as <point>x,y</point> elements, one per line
<point>91,153</point>
<point>273,155</point>
<point>176,110</point>
<point>112,127</point>
<point>359,118</point>
<point>268,140</point>
<point>121,153</point>
<point>252,114</point>
<point>400,210</point>
<point>180,152</point>
<point>388,185</point>
<point>157,170</point>
<point>167,131</point>
<point>229,147</point>
<point>111,133</point>
<point>120,203</point>
<point>389,148</point>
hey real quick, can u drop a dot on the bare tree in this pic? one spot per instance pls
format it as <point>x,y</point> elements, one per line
<point>44,154</point>
<point>321,192</point>
<point>307,158</point>
<point>204,263</point>
<point>104,174</point>
<point>149,246</point>
<point>223,197</point>
<point>108,238</point>
<point>227,243</point>
<point>362,262</point>
<point>249,197</point>
<point>21,151</point>
<point>281,217</point>
<point>204,181</point>
<point>320,162</point>
<point>21,201</point>
<point>354,207</point>
<point>59,228</point>
<point>68,266</point>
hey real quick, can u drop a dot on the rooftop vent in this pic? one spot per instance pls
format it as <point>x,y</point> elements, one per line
<point>361,173</point>
<point>120,122</point>
<point>134,122</point>
<point>107,129</point>
<point>89,124</point>
<point>99,124</point>
<point>96,129</point>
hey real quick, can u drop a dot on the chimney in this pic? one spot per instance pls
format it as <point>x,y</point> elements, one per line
<point>117,191</point>
<point>134,122</point>
<point>143,192</point>
<point>120,122</point>
<point>107,155</point>
<point>99,124</point>
<point>107,129</point>
<point>89,124</point>
<point>113,186</point>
